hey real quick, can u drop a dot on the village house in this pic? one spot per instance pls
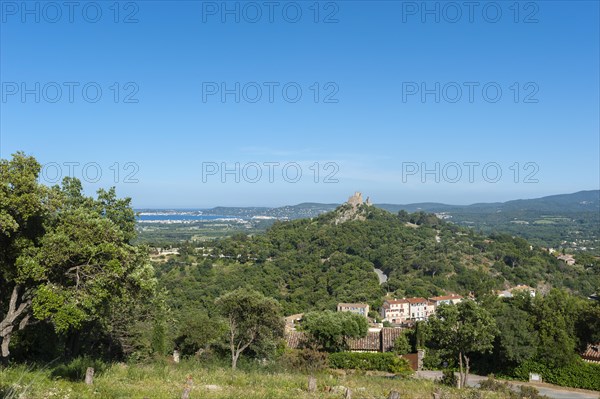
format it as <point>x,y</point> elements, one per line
<point>509,293</point>
<point>292,320</point>
<point>592,353</point>
<point>395,311</point>
<point>402,311</point>
<point>451,299</point>
<point>420,308</point>
<point>568,259</point>
<point>358,308</point>
<point>380,340</point>
<point>377,340</point>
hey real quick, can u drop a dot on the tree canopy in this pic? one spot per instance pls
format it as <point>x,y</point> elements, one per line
<point>461,331</point>
<point>64,257</point>
<point>330,330</point>
<point>252,319</point>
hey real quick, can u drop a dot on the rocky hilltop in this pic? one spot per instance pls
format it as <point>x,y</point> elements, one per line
<point>353,209</point>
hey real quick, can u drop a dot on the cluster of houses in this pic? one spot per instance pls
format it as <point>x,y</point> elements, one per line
<point>509,293</point>
<point>401,311</point>
<point>405,311</point>
<point>400,314</point>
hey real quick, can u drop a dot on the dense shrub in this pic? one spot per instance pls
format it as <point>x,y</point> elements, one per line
<point>449,378</point>
<point>370,361</point>
<point>524,392</point>
<point>576,375</point>
<point>75,370</point>
<point>306,360</point>
<point>432,360</point>
<point>491,384</point>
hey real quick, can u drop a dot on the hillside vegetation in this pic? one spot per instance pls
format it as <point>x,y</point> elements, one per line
<point>314,263</point>
<point>167,381</point>
<point>567,221</point>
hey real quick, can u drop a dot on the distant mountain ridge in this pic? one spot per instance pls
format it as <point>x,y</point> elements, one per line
<point>582,201</point>
<point>570,221</point>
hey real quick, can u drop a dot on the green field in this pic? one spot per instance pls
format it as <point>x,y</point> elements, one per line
<point>167,381</point>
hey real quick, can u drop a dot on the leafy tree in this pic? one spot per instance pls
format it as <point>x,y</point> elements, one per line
<point>252,318</point>
<point>517,339</point>
<point>138,326</point>
<point>197,330</point>
<point>330,330</point>
<point>556,315</point>
<point>461,331</point>
<point>23,205</point>
<point>588,324</point>
<point>401,345</point>
<point>64,257</point>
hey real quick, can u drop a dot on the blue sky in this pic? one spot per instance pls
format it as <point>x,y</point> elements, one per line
<point>361,119</point>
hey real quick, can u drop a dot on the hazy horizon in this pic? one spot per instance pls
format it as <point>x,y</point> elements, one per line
<point>365,195</point>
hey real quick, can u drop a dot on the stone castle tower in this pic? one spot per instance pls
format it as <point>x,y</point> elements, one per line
<point>357,199</point>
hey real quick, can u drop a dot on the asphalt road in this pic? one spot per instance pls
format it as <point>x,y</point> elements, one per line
<point>551,391</point>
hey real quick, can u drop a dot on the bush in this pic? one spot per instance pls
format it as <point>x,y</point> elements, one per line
<point>525,391</point>
<point>496,386</point>
<point>449,378</point>
<point>75,370</point>
<point>579,374</point>
<point>306,360</point>
<point>432,360</point>
<point>401,345</point>
<point>370,361</point>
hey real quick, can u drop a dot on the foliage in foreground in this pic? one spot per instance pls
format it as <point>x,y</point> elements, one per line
<point>253,319</point>
<point>576,375</point>
<point>166,381</point>
<point>330,330</point>
<point>67,259</point>
<point>524,392</point>
<point>389,362</point>
<point>460,331</point>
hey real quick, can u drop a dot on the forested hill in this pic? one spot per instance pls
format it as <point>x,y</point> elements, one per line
<point>581,201</point>
<point>569,221</point>
<point>315,263</point>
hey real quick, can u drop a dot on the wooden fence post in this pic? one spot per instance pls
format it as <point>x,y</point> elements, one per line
<point>187,388</point>
<point>312,384</point>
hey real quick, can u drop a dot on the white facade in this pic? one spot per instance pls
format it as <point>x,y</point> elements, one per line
<point>446,300</point>
<point>420,308</point>
<point>396,311</point>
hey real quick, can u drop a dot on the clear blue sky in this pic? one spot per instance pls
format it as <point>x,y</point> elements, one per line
<point>368,58</point>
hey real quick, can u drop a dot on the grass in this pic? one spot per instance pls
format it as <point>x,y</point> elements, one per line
<point>166,381</point>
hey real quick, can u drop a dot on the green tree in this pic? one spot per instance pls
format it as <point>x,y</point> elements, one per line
<point>252,318</point>
<point>134,323</point>
<point>461,331</point>
<point>517,338</point>
<point>197,330</point>
<point>401,345</point>
<point>588,324</point>
<point>23,206</point>
<point>556,315</point>
<point>330,330</point>
<point>64,257</point>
